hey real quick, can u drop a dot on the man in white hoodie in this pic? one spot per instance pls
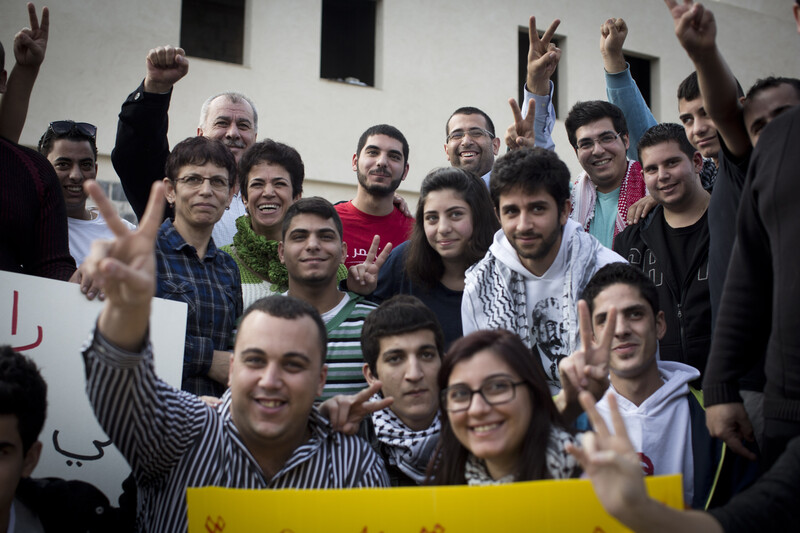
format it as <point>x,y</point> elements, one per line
<point>540,261</point>
<point>663,414</point>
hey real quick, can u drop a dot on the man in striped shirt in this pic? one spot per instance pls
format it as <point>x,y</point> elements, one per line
<point>270,436</point>
<point>312,250</point>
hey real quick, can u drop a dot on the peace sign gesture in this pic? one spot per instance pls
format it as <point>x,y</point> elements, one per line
<point>125,268</point>
<point>586,368</point>
<point>30,44</point>
<point>543,57</point>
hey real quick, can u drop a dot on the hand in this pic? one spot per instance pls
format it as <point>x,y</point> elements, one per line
<point>729,422</point>
<point>125,269</point>
<point>346,412</point>
<point>165,66</point>
<point>363,279</point>
<point>610,461</point>
<point>612,36</point>
<point>586,369</point>
<point>30,44</point>
<point>543,58</point>
<point>640,209</point>
<point>695,27</point>
<point>211,401</point>
<point>520,134</point>
<point>88,286</point>
<point>402,205</point>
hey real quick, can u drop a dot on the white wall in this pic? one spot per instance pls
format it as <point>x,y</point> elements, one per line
<point>433,56</point>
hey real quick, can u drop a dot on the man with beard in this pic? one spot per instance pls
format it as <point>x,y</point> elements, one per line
<point>540,259</point>
<point>381,163</point>
<point>141,148</point>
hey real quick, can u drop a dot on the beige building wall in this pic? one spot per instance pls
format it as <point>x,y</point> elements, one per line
<point>431,57</point>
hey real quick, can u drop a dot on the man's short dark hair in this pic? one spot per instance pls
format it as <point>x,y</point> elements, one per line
<point>199,151</point>
<point>23,393</point>
<point>469,111</point>
<point>584,113</point>
<point>313,205</point>
<point>530,169</point>
<point>383,129</point>
<point>49,138</point>
<point>398,315</point>
<point>773,81</point>
<point>689,89</point>
<point>666,132</point>
<point>290,308</point>
<point>626,274</point>
<point>276,153</point>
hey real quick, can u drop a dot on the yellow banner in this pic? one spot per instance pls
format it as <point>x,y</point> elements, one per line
<point>542,506</point>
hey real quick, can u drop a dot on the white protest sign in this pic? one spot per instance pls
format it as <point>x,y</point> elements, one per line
<point>49,321</point>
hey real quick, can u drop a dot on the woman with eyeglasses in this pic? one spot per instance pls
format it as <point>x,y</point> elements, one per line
<point>190,268</point>
<point>454,226</point>
<point>499,423</point>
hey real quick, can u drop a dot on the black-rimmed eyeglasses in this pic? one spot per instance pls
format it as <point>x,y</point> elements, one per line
<point>494,391</point>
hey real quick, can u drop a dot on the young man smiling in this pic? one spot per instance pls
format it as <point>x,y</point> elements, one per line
<point>671,245</point>
<point>380,164</point>
<point>539,262</point>
<point>312,250</point>
<point>70,147</point>
<point>663,414</point>
<point>267,433</point>
<point>403,344</point>
<point>610,183</point>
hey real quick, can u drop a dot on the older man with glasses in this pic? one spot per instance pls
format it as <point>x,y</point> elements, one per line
<point>72,150</point>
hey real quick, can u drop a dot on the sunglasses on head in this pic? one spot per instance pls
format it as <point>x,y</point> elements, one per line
<point>63,127</point>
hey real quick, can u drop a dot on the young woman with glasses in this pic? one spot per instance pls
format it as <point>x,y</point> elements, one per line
<point>499,423</point>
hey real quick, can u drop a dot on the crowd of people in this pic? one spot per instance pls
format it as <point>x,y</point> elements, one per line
<point>648,301</point>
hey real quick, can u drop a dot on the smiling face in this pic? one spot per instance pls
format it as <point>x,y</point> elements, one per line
<point>605,164</point>
<point>700,129</point>
<point>633,349</point>
<point>200,207</point>
<point>74,163</point>
<point>533,225</point>
<point>407,365</point>
<point>269,195</point>
<point>475,155</point>
<point>765,105</point>
<point>447,223</point>
<point>231,123</point>
<point>381,166</point>
<point>494,433</point>
<point>670,176</point>
<point>276,373</point>
<point>312,250</point>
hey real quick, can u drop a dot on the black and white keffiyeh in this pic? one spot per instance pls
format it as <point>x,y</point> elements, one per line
<point>560,464</point>
<point>409,450</point>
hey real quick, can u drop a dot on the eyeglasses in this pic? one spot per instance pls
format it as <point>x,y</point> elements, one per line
<point>64,127</point>
<point>195,182</point>
<point>494,391</point>
<point>474,133</point>
<point>605,139</point>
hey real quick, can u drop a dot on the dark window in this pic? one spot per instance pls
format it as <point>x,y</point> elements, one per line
<point>213,29</point>
<point>640,70</point>
<point>347,45</point>
<point>524,42</point>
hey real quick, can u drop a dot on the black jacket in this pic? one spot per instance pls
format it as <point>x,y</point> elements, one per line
<point>686,303</point>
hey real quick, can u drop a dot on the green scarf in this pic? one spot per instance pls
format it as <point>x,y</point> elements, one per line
<point>259,254</point>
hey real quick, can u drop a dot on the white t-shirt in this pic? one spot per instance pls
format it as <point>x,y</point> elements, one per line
<point>83,232</point>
